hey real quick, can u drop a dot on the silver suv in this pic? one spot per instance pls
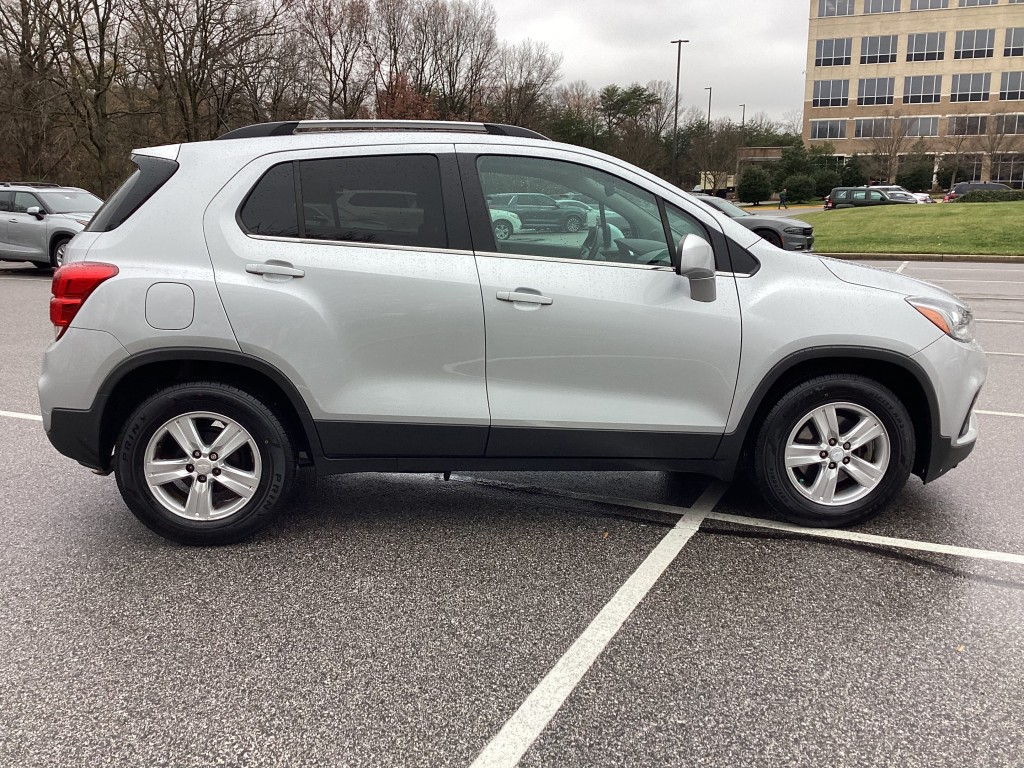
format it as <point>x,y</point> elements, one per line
<point>226,318</point>
<point>38,220</point>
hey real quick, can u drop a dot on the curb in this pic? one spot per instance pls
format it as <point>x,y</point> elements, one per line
<point>974,257</point>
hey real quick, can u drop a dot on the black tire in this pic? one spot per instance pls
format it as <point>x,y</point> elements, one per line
<point>56,252</point>
<point>276,456</point>
<point>778,485</point>
<point>771,237</point>
<point>573,223</point>
<point>502,230</point>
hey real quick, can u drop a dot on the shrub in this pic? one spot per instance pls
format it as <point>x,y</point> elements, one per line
<point>825,181</point>
<point>799,187</point>
<point>992,196</point>
<point>755,185</point>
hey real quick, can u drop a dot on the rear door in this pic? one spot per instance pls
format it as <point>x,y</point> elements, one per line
<point>594,346</point>
<point>378,323</point>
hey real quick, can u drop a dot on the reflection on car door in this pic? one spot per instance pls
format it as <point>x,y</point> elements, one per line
<point>26,235</point>
<point>611,359</point>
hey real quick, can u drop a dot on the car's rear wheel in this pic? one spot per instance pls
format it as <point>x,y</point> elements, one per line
<point>771,237</point>
<point>573,223</point>
<point>204,463</point>
<point>834,450</point>
<point>57,252</point>
<point>502,230</point>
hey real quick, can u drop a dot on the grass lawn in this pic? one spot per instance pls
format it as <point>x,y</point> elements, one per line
<point>957,228</point>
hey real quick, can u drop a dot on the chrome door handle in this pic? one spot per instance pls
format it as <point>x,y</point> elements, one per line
<point>13,221</point>
<point>273,269</point>
<point>526,298</point>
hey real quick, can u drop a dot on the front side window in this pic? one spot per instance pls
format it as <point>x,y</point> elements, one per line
<point>922,89</point>
<point>831,93</point>
<point>617,203</point>
<point>881,6</point>
<point>967,125</point>
<point>974,44</point>
<point>23,201</point>
<point>1014,42</point>
<point>920,126</point>
<point>835,8</point>
<point>834,52</point>
<point>926,46</point>
<point>875,90</point>
<point>1011,86</point>
<point>5,201</point>
<point>880,49</point>
<point>973,87</point>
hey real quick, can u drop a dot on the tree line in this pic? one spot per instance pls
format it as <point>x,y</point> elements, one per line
<point>82,82</point>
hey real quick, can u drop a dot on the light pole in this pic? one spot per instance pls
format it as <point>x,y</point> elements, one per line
<point>675,119</point>
<point>708,89</point>
<point>743,118</point>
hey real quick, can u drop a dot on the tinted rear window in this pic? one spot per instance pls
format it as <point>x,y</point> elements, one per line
<point>151,174</point>
<point>270,208</point>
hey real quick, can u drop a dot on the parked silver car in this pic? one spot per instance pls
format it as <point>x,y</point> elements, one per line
<point>38,220</point>
<point>789,234</point>
<point>223,321</point>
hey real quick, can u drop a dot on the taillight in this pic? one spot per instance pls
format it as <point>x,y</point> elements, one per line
<point>72,285</point>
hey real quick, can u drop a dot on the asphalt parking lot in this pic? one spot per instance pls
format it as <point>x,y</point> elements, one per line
<point>574,619</point>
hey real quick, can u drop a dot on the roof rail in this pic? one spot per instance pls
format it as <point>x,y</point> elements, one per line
<point>28,184</point>
<point>288,128</point>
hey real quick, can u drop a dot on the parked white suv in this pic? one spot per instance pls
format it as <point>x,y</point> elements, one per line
<point>38,220</point>
<point>227,316</point>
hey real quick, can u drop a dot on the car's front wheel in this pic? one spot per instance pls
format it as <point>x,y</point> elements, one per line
<point>573,224</point>
<point>57,252</point>
<point>204,463</point>
<point>834,450</point>
<point>502,230</point>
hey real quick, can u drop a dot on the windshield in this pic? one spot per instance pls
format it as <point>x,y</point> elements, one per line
<point>726,207</point>
<point>70,202</point>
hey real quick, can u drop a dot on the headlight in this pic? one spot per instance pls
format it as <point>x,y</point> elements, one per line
<point>794,230</point>
<point>83,222</point>
<point>951,318</point>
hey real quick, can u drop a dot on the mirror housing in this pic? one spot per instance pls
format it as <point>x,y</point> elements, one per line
<point>695,260</point>
<point>35,210</point>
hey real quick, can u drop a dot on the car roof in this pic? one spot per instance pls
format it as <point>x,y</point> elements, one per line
<point>36,186</point>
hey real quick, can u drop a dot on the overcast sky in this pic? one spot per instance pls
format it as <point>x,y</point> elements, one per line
<point>748,51</point>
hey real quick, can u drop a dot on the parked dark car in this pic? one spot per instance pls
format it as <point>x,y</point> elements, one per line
<point>789,234</point>
<point>858,197</point>
<point>538,211</point>
<point>961,188</point>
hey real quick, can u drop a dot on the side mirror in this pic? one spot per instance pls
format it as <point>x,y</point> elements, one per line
<point>696,262</point>
<point>35,210</point>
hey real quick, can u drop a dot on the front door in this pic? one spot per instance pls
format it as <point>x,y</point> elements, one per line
<point>26,235</point>
<point>376,318</point>
<point>594,346</point>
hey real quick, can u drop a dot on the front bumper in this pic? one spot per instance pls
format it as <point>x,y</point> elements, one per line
<point>797,242</point>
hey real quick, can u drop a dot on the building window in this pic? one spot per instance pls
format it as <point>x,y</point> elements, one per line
<point>1011,86</point>
<point>878,50</point>
<point>1014,41</point>
<point>828,129</point>
<point>973,87</point>
<point>1010,124</point>
<point>1008,169</point>
<point>831,93</point>
<point>833,53</point>
<point>875,90</point>
<point>967,125</point>
<point>835,7</point>
<point>974,44</point>
<point>973,3</point>
<point>920,126</point>
<point>881,6</point>
<point>922,89</point>
<point>926,46</point>
<point>928,5</point>
<point>872,128</point>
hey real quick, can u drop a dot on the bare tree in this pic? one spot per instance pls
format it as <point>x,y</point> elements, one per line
<point>526,74</point>
<point>335,32</point>
<point>888,143</point>
<point>714,152</point>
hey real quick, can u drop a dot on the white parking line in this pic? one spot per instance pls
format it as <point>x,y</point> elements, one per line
<point>1005,354</point>
<point>1001,413</point>
<point>16,415</point>
<point>968,280</point>
<point>522,729</point>
<point>902,267</point>
<point>1012,322</point>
